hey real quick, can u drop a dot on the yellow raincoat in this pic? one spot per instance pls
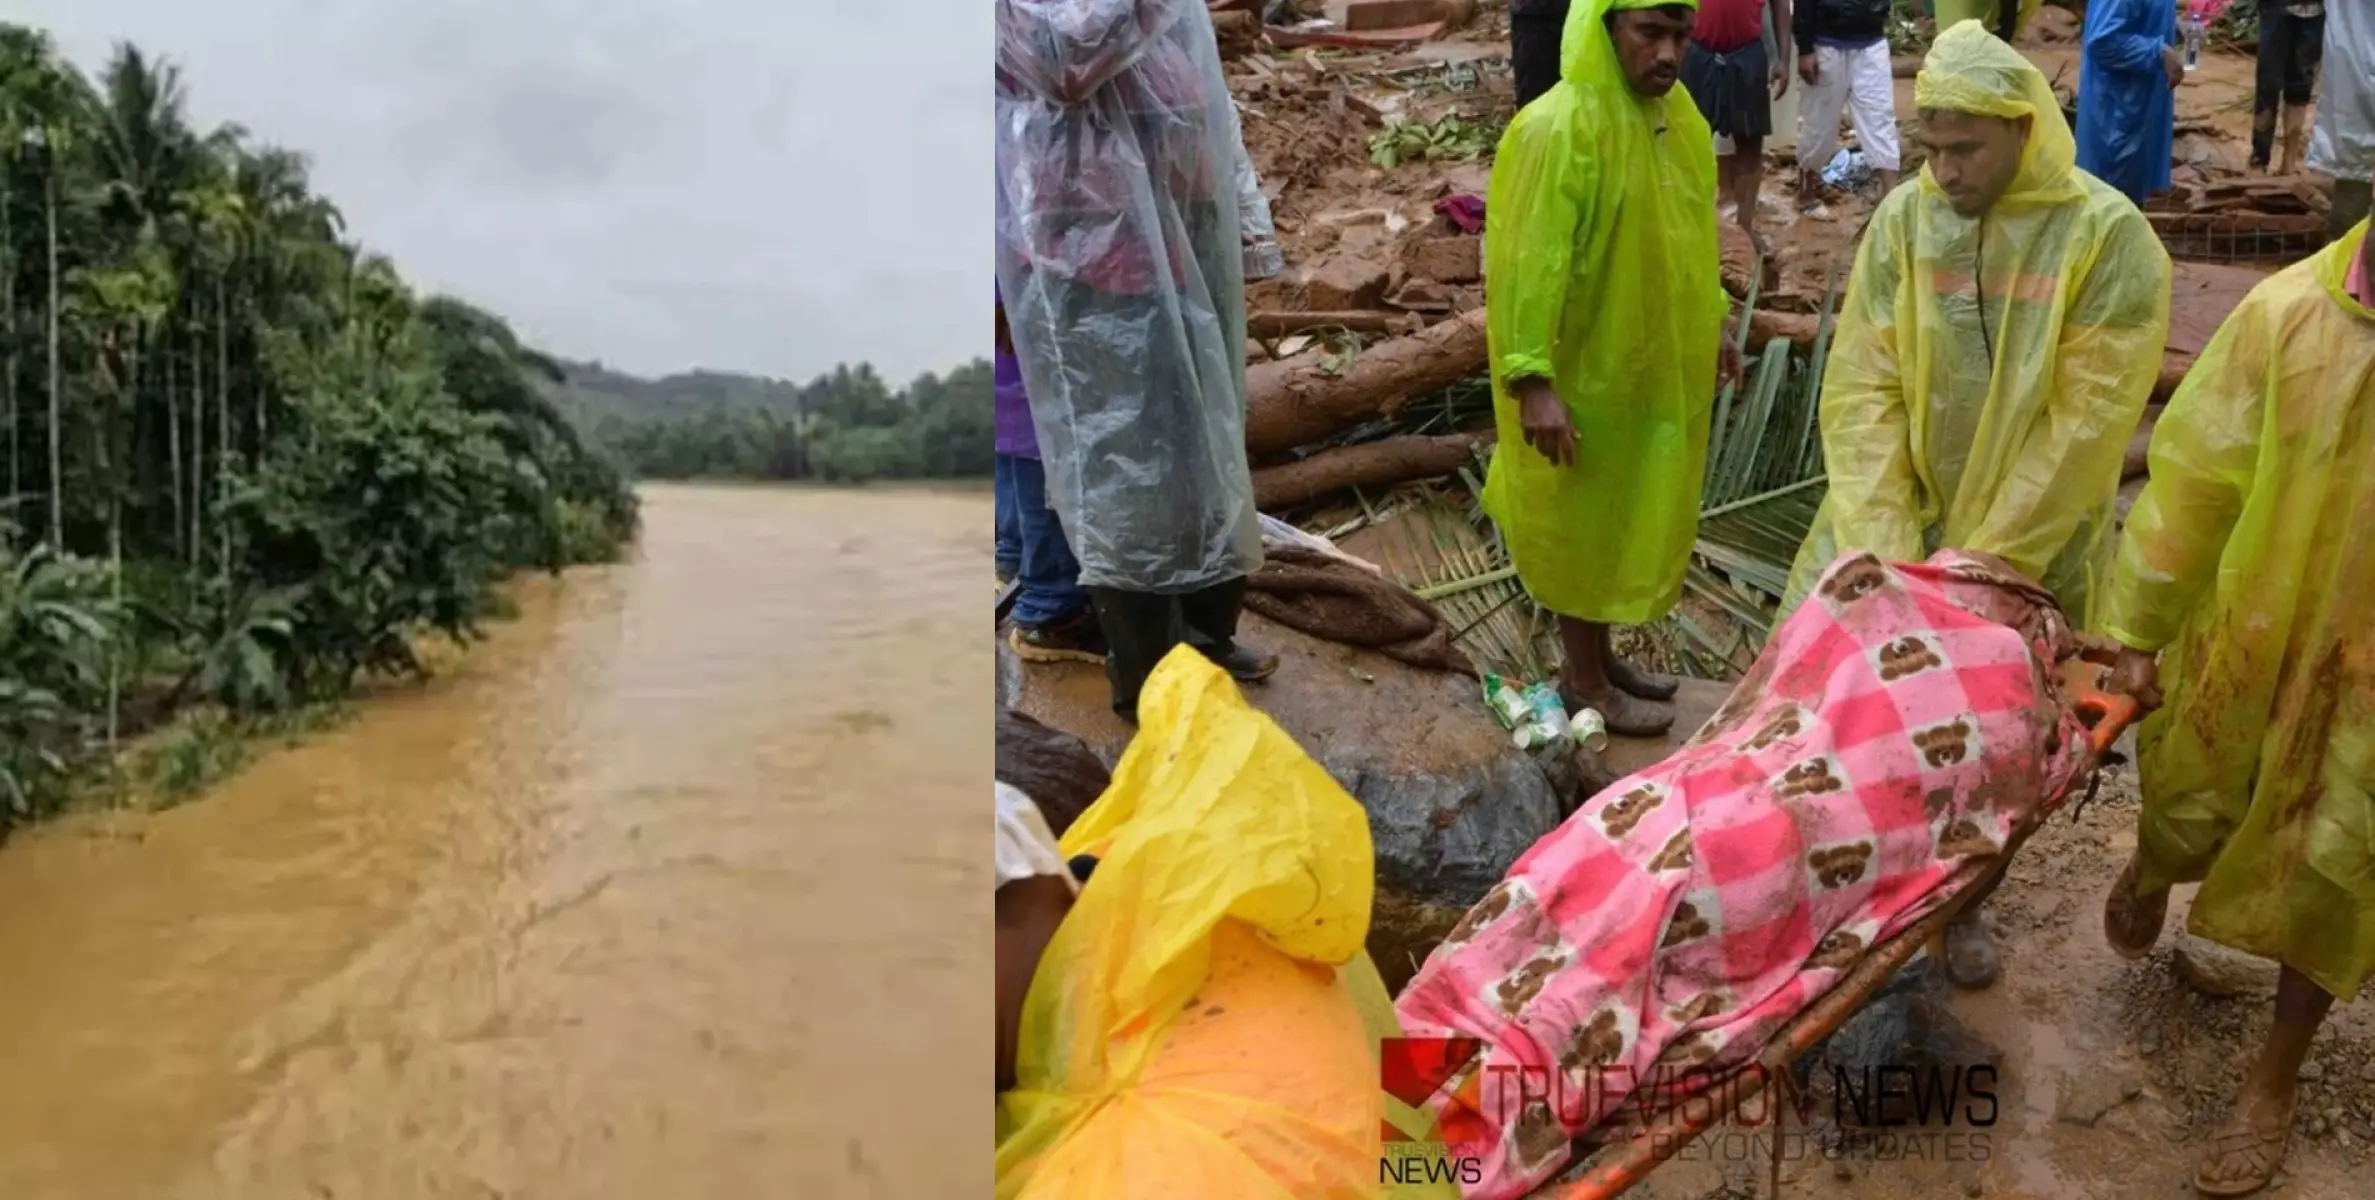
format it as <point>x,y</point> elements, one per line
<point>1205,1022</point>
<point>2249,557</point>
<point>1601,275</point>
<point>1987,373</point>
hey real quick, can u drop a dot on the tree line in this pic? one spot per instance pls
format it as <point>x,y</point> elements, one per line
<point>242,462</point>
<point>847,426</point>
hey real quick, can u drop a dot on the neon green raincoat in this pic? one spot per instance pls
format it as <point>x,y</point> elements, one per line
<point>1987,373</point>
<point>1601,275</point>
<point>2248,557</point>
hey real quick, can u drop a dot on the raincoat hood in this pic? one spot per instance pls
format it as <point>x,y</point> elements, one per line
<point>1587,54</point>
<point>1972,71</point>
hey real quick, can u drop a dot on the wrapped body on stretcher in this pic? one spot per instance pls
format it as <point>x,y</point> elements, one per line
<point>1899,726</point>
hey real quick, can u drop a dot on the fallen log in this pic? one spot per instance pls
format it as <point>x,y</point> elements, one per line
<point>1288,324</point>
<point>1298,402</point>
<point>1369,464</point>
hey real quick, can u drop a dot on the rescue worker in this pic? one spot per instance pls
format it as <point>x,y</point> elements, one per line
<point>2246,565</point>
<point>1121,221</point>
<point>2342,142</point>
<point>1994,352</point>
<point>1605,318</point>
<point>2127,94</point>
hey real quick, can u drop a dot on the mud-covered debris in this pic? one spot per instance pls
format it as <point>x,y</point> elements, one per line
<point>2216,971</point>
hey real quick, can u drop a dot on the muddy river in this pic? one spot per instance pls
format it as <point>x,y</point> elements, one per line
<point>662,892</point>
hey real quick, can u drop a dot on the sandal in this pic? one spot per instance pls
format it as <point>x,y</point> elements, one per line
<point>2257,1146</point>
<point>2132,923</point>
<point>1627,715</point>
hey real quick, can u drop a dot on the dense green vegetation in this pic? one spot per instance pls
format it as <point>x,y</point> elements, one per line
<point>848,426</point>
<point>242,464</point>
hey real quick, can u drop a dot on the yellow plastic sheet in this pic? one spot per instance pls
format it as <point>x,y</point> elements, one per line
<point>1987,373</point>
<point>2248,558</point>
<point>1623,314</point>
<point>1205,1024</point>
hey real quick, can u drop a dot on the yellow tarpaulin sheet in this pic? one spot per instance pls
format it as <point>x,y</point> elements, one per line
<point>1988,372</point>
<point>2248,558</point>
<point>1601,276</point>
<point>1205,1023</point>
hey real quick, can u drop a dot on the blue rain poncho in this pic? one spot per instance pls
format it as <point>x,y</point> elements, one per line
<point>1122,189</point>
<point>1988,372</point>
<point>1601,276</point>
<point>2127,113</point>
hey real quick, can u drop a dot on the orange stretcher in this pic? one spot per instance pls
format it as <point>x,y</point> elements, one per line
<point>1617,1166</point>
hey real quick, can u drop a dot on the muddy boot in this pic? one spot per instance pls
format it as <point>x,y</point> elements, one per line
<point>1970,950</point>
<point>2263,143</point>
<point>1139,629</point>
<point>1633,681</point>
<point>2296,139</point>
<point>1211,617</point>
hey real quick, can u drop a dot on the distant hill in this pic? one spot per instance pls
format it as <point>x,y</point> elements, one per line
<point>847,424</point>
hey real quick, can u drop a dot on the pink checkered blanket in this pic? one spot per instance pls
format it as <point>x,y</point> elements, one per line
<point>1902,723</point>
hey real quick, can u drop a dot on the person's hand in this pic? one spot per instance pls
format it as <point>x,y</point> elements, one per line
<point>1808,71</point>
<point>1779,81</point>
<point>2136,674</point>
<point>1727,358</point>
<point>1549,429</point>
<point>2173,61</point>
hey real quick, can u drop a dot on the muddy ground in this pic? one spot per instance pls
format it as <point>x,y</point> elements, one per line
<point>2114,1073</point>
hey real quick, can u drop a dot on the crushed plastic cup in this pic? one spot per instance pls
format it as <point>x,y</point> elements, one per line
<point>1589,730</point>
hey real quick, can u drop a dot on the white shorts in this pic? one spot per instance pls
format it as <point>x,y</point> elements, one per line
<point>1861,83</point>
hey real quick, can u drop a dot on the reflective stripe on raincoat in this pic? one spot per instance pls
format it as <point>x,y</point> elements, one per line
<point>1987,373</point>
<point>2248,557</point>
<point>1601,275</point>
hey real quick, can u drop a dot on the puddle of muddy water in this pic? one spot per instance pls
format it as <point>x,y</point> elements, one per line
<point>659,893</point>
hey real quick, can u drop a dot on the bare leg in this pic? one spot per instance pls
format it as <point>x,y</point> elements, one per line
<point>2245,1154</point>
<point>1809,190</point>
<point>1888,182</point>
<point>1586,682</point>
<point>1747,168</point>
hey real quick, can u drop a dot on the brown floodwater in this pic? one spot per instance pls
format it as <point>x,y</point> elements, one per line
<point>672,889</point>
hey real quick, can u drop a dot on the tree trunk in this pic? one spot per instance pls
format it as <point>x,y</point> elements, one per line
<point>8,392</point>
<point>197,439</point>
<point>172,438</point>
<point>1296,403</point>
<point>57,456</point>
<point>1371,464</point>
<point>222,414</point>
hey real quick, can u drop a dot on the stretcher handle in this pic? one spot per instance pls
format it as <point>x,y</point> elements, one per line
<point>2105,714</point>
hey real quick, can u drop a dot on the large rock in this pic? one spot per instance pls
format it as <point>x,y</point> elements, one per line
<point>1451,802</point>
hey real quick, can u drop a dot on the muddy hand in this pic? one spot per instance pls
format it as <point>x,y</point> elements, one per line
<point>2136,674</point>
<point>1548,427</point>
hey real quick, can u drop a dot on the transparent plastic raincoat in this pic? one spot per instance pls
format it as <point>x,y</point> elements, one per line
<point>1987,373</point>
<point>2248,558</point>
<point>1601,276</point>
<point>1120,176</point>
<point>1205,1022</point>
<point>2342,143</point>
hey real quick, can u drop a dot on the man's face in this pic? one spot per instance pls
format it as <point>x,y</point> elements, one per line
<point>1649,45</point>
<point>1972,158</point>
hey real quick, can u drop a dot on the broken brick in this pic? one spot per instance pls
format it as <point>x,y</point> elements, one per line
<point>1364,15</point>
<point>1343,282</point>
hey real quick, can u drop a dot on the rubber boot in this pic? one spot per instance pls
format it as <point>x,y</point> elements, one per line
<point>2296,139</point>
<point>2263,143</point>
<point>1211,618</point>
<point>1139,630</point>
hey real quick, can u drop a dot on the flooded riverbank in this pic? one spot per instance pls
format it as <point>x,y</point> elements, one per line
<point>665,891</point>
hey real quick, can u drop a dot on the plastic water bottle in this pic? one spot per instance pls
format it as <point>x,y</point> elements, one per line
<point>1546,720</point>
<point>2193,42</point>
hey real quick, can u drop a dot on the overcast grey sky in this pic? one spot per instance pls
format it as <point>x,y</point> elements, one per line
<point>758,185</point>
